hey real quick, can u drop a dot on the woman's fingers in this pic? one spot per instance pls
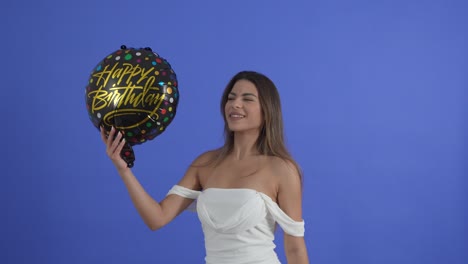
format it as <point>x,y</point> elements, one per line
<point>110,137</point>
<point>120,146</point>
<point>115,142</point>
<point>103,135</point>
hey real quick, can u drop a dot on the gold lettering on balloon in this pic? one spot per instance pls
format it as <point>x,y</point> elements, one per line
<point>125,95</point>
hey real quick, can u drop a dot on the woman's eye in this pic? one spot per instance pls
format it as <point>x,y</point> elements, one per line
<point>230,98</point>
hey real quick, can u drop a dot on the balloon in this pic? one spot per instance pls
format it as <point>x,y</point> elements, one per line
<point>135,91</point>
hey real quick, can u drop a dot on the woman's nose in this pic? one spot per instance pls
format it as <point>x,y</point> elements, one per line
<point>237,103</point>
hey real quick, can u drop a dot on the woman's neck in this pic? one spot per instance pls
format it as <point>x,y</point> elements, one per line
<point>244,145</point>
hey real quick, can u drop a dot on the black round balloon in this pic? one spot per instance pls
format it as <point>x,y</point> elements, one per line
<point>135,91</point>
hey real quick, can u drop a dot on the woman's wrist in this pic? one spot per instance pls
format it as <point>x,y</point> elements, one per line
<point>124,172</point>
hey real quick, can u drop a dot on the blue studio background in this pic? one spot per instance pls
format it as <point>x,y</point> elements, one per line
<point>374,96</point>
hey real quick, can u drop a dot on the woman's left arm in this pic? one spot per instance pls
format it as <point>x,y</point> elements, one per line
<point>290,201</point>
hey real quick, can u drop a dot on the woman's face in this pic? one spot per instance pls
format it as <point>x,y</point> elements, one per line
<point>242,109</point>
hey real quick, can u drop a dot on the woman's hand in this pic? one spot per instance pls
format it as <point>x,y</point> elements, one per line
<point>114,144</point>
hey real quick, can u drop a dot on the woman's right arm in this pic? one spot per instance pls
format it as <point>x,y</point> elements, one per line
<point>154,214</point>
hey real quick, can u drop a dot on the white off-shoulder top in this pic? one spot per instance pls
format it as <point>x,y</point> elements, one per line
<point>239,224</point>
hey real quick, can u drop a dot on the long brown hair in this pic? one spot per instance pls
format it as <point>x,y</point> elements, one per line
<point>270,141</point>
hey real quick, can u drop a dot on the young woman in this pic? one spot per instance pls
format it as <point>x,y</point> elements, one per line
<point>242,189</point>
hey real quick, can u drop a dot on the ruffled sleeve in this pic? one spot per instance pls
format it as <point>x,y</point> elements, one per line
<point>289,225</point>
<point>186,193</point>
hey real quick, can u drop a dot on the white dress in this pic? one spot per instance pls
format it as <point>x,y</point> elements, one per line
<point>239,224</point>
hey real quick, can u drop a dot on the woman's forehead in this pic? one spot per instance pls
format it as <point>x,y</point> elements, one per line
<point>244,86</point>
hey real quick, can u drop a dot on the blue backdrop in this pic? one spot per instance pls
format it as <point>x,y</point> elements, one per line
<point>375,107</point>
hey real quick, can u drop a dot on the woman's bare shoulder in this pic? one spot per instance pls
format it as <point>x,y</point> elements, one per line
<point>282,165</point>
<point>283,169</point>
<point>280,173</point>
<point>205,158</point>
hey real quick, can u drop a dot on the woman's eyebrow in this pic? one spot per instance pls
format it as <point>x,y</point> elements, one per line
<point>244,94</point>
<point>249,94</point>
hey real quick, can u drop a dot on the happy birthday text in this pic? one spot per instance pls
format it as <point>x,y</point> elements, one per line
<point>132,86</point>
